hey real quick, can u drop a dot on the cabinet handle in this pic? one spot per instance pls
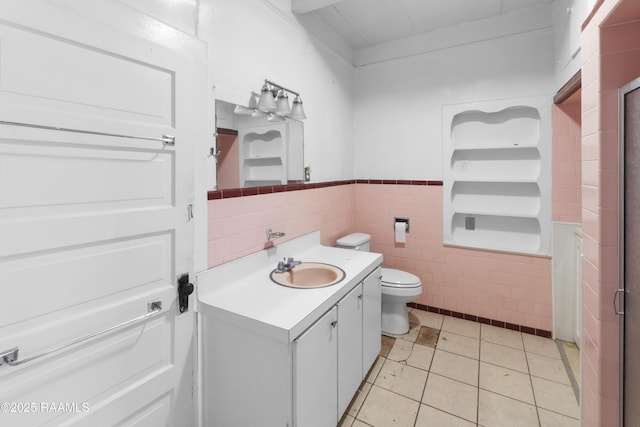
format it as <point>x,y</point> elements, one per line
<point>334,323</point>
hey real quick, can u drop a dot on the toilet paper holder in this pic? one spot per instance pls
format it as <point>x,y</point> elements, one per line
<point>406,223</point>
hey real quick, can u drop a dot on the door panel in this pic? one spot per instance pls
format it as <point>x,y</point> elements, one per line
<point>54,79</point>
<point>94,227</point>
<point>630,238</point>
<point>90,374</point>
<point>94,276</point>
<point>35,176</point>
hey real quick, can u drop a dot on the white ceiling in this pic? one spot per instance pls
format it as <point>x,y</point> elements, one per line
<point>363,23</point>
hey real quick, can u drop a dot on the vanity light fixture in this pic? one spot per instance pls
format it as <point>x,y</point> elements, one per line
<point>274,104</point>
<point>274,99</point>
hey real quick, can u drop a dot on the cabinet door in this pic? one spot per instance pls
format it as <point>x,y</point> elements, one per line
<point>371,319</point>
<point>349,347</point>
<point>316,373</point>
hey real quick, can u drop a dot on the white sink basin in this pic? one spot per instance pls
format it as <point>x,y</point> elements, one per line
<point>309,275</point>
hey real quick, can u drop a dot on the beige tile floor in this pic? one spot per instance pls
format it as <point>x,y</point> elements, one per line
<point>452,372</point>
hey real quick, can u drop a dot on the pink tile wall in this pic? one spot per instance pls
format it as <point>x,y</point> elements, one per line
<point>611,58</point>
<point>228,161</point>
<point>505,287</point>
<point>566,158</point>
<point>237,225</point>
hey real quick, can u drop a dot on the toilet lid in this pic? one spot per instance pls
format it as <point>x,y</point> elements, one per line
<point>353,239</point>
<point>398,278</point>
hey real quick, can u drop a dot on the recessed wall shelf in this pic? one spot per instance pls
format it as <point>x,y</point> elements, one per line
<point>497,171</point>
<point>263,155</point>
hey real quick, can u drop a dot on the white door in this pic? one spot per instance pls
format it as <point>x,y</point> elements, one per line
<point>94,226</point>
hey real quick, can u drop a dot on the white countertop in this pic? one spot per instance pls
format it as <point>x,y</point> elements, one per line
<point>241,292</point>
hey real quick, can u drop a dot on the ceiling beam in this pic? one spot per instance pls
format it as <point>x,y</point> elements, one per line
<point>303,6</point>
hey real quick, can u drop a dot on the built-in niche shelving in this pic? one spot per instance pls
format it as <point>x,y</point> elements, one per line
<point>497,178</point>
<point>263,156</point>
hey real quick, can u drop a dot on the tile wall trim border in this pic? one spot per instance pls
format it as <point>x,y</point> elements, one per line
<point>254,191</point>
<point>473,318</point>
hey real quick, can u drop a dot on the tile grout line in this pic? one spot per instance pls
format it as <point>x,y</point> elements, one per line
<point>478,394</point>
<point>533,390</point>
<point>567,366</point>
<point>424,390</point>
<point>413,343</point>
<point>355,416</point>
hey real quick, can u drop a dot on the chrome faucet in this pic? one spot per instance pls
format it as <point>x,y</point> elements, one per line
<point>286,265</point>
<point>274,234</point>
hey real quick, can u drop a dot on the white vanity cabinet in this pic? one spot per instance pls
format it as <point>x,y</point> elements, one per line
<point>254,380</point>
<point>282,357</point>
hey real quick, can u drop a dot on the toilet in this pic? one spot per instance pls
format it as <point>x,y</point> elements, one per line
<point>398,287</point>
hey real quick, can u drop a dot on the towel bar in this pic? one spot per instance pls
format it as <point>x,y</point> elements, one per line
<point>165,139</point>
<point>10,357</point>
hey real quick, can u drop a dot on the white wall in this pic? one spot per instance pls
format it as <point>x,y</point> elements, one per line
<point>381,119</point>
<point>568,16</point>
<point>398,103</point>
<point>250,40</point>
<point>181,15</point>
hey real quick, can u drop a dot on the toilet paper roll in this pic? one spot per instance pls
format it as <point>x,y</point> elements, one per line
<point>401,232</point>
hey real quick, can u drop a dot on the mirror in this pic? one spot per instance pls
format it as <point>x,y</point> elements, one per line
<point>255,149</point>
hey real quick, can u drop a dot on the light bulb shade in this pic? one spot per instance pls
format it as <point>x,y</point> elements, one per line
<point>283,104</point>
<point>297,112</point>
<point>266,101</point>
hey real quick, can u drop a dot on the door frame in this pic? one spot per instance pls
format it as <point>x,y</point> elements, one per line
<point>619,303</point>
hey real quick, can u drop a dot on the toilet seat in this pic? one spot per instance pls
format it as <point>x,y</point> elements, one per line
<point>392,278</point>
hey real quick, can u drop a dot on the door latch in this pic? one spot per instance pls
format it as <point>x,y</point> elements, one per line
<point>184,290</point>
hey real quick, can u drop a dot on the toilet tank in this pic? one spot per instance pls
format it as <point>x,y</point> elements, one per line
<point>357,241</point>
